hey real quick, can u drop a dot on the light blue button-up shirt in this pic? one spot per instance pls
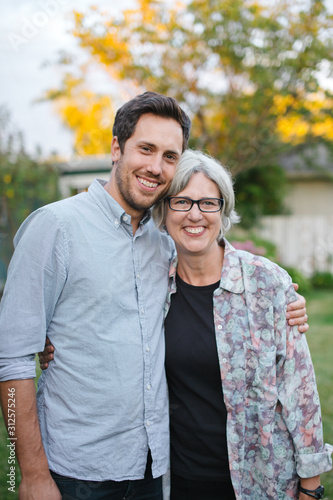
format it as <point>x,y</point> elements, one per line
<point>79,276</point>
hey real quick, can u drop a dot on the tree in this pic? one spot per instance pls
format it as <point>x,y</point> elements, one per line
<point>25,185</point>
<point>247,71</point>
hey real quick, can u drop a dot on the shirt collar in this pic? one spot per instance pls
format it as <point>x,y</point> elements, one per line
<point>232,275</point>
<point>110,207</point>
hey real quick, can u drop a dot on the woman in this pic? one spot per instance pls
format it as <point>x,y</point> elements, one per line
<point>244,411</point>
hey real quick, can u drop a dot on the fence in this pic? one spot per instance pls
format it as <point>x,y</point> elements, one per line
<point>302,241</point>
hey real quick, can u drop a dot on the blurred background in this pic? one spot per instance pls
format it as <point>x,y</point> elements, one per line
<point>256,78</point>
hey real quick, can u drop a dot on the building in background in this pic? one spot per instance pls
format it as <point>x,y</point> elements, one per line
<point>304,238</point>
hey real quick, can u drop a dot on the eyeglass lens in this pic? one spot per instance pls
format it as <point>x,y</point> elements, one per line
<point>205,205</point>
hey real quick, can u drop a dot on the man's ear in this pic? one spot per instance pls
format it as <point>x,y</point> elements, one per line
<point>115,149</point>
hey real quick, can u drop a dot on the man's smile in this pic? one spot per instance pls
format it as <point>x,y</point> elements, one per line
<point>146,183</point>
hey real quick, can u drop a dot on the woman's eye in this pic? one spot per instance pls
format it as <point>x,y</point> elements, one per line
<point>210,203</point>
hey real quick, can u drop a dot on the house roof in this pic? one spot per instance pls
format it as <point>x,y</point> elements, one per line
<point>308,162</point>
<point>90,164</point>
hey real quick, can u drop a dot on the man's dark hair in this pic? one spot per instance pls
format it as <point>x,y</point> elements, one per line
<point>150,102</point>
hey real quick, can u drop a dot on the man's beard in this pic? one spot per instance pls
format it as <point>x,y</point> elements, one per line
<point>125,191</point>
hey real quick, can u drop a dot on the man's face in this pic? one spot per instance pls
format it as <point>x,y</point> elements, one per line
<point>143,172</point>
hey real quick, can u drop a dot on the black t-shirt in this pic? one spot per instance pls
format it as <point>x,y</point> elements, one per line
<point>197,410</point>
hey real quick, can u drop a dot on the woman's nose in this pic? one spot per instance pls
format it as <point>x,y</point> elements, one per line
<point>195,213</point>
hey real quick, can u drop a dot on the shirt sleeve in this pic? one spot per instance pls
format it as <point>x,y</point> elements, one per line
<point>297,391</point>
<point>36,276</point>
<point>18,368</point>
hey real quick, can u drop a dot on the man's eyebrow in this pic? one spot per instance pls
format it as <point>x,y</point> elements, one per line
<point>143,142</point>
<point>170,151</point>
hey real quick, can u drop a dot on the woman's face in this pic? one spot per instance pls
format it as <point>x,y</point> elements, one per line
<point>195,232</point>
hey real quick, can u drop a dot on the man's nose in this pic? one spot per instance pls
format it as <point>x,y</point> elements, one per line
<point>155,165</point>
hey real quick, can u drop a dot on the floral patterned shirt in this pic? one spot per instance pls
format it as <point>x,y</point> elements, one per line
<point>274,427</point>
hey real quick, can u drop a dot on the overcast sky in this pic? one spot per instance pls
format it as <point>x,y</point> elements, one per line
<point>31,33</point>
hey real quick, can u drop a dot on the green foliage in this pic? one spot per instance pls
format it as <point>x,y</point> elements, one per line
<point>25,185</point>
<point>322,280</point>
<point>259,191</point>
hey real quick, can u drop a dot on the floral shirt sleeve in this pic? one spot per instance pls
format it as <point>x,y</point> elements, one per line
<point>274,422</point>
<point>297,392</point>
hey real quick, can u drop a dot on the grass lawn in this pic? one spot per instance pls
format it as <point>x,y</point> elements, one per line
<point>320,339</point>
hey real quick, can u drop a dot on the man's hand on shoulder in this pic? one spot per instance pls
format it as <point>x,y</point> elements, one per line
<point>296,313</point>
<point>39,489</point>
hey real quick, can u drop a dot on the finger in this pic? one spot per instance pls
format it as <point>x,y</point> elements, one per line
<point>44,365</point>
<point>297,304</point>
<point>298,321</point>
<point>47,350</point>
<point>295,285</point>
<point>298,313</point>
<point>45,358</point>
<point>303,328</point>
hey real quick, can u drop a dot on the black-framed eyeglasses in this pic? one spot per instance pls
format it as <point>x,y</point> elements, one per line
<point>183,204</point>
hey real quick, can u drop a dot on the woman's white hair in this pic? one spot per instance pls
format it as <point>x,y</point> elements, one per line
<point>190,163</point>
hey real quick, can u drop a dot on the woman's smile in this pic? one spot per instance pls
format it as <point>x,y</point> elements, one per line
<point>198,230</point>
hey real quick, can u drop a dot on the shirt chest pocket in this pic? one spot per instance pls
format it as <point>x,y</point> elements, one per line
<point>260,374</point>
<point>158,282</point>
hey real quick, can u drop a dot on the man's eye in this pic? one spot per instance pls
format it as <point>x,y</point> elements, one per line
<point>171,157</point>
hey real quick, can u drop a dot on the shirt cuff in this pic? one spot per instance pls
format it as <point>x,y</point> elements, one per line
<point>17,368</point>
<point>314,464</point>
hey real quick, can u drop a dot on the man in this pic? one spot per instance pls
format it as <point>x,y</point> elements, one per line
<point>91,273</point>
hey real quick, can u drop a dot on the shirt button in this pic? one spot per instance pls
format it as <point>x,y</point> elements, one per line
<point>142,311</point>
<point>219,327</point>
<point>147,349</point>
<point>116,222</point>
<point>148,387</point>
<point>125,218</point>
<point>224,360</point>
<point>138,276</point>
<point>148,423</point>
